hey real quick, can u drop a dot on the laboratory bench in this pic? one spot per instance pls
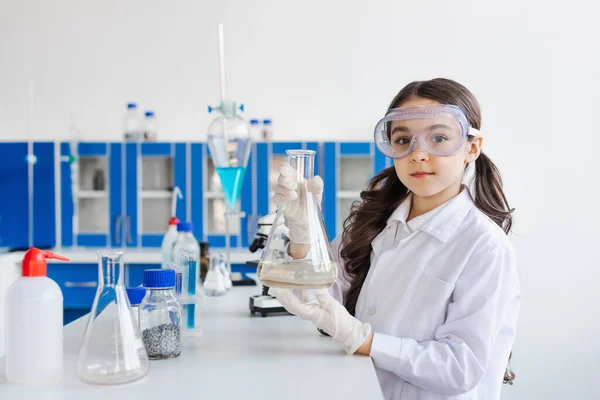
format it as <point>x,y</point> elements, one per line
<point>234,355</point>
<point>78,278</point>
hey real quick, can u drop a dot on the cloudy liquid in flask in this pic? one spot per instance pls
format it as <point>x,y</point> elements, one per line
<point>300,274</point>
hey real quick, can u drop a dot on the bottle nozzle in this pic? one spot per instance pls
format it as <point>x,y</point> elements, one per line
<point>34,262</point>
<point>49,254</point>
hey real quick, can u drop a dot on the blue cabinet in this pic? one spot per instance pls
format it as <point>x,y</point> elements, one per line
<point>14,205</point>
<point>122,193</point>
<point>121,196</point>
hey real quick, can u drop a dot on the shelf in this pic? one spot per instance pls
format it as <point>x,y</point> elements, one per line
<point>348,194</point>
<point>92,194</point>
<point>214,195</point>
<point>156,194</point>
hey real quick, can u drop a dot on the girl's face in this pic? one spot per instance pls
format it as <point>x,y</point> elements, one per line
<point>427,175</point>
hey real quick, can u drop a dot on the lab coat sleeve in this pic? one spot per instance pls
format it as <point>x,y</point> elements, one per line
<point>456,359</point>
<point>342,285</point>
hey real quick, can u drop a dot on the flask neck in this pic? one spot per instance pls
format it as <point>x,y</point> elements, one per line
<point>304,164</point>
<point>110,267</point>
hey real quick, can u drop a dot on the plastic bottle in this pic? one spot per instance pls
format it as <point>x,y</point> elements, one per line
<point>150,132</point>
<point>132,124</point>
<point>186,240</point>
<point>34,321</point>
<point>166,248</point>
<point>255,131</point>
<point>267,131</point>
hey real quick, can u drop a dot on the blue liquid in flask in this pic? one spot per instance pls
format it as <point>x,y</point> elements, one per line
<point>232,180</point>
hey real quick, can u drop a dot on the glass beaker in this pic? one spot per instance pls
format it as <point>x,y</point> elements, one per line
<point>112,350</point>
<point>160,315</point>
<point>318,268</point>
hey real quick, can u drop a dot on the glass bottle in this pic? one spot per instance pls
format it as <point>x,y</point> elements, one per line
<point>160,315</point>
<point>112,351</point>
<point>318,268</point>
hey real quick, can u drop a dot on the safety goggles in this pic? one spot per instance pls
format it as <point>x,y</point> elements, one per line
<point>440,129</point>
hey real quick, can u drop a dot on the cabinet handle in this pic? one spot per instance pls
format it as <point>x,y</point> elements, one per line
<point>128,228</point>
<point>90,284</point>
<point>118,230</point>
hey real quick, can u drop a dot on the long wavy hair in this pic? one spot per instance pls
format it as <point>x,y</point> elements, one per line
<point>385,191</point>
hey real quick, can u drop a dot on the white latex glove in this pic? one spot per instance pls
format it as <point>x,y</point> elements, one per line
<point>291,196</point>
<point>327,314</point>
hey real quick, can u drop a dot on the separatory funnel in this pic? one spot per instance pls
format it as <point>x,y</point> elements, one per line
<point>229,142</point>
<point>318,268</point>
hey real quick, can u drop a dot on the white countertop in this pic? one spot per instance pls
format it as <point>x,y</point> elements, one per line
<point>139,255</point>
<point>237,356</point>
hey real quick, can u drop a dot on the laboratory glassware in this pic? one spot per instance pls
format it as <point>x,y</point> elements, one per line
<point>160,315</point>
<point>112,351</point>
<point>318,268</point>
<point>229,141</point>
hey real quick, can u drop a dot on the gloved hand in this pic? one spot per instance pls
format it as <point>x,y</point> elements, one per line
<point>292,197</point>
<point>327,314</point>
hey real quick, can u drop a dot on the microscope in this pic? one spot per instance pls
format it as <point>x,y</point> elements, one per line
<point>264,304</point>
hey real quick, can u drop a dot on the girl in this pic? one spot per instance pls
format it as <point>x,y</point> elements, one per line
<point>427,283</point>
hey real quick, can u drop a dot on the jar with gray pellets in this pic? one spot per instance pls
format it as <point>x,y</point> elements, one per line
<point>160,315</point>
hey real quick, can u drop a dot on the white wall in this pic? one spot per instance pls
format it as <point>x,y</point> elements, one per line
<point>327,69</point>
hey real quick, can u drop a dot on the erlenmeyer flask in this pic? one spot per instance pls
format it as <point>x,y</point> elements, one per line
<point>318,269</point>
<point>214,284</point>
<point>112,350</point>
<point>230,143</point>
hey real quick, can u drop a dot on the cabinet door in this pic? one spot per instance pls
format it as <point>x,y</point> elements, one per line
<point>14,208</point>
<point>44,200</point>
<point>161,167</point>
<point>248,200</point>
<point>90,195</point>
<point>348,168</point>
<point>197,200</point>
<point>116,173</point>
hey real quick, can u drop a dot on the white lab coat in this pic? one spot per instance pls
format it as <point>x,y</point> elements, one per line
<point>442,296</point>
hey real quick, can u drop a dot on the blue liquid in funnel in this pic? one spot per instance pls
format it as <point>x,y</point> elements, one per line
<point>232,180</point>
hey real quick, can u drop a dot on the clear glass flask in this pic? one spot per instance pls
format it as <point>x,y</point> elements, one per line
<point>215,283</point>
<point>160,315</point>
<point>112,351</point>
<point>318,268</point>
